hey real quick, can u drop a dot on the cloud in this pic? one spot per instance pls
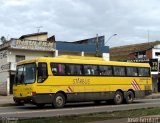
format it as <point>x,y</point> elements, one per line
<point>72,20</point>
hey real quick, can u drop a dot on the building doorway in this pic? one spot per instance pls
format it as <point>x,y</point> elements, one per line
<point>158,84</point>
<point>12,76</point>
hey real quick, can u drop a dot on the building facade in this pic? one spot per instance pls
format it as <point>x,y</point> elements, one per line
<point>87,47</point>
<point>16,50</point>
<point>145,52</point>
<point>39,45</point>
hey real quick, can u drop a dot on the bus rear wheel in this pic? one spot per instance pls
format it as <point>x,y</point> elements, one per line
<point>118,98</point>
<point>59,100</point>
<point>129,97</point>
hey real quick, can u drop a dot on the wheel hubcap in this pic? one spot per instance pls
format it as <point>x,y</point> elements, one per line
<point>129,97</point>
<point>59,101</point>
<point>118,98</point>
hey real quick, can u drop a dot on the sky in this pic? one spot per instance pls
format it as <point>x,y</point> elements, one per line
<point>134,21</point>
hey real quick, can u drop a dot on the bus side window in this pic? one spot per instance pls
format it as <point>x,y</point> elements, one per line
<point>42,72</point>
<point>132,71</point>
<point>74,69</point>
<point>119,71</point>
<point>105,70</point>
<point>90,70</point>
<point>58,69</point>
<point>144,72</point>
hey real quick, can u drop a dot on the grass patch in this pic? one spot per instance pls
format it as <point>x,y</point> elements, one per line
<point>95,116</point>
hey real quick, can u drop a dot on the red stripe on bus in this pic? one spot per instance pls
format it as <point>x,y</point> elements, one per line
<point>137,84</point>
<point>134,85</point>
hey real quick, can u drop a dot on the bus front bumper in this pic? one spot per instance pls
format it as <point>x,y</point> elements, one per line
<point>37,99</point>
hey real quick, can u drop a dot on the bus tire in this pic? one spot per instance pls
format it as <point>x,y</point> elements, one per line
<point>18,102</point>
<point>59,100</point>
<point>118,98</point>
<point>129,97</point>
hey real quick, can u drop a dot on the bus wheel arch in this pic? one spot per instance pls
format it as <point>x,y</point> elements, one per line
<point>59,99</point>
<point>129,97</point>
<point>118,97</point>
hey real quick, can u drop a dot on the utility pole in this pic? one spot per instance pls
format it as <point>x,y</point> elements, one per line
<point>97,45</point>
<point>148,36</point>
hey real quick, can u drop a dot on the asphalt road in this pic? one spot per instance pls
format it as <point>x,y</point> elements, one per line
<point>30,111</point>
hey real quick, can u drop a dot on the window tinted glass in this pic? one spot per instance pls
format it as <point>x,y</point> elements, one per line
<point>42,72</point>
<point>58,69</point>
<point>105,70</point>
<point>26,74</point>
<point>90,70</point>
<point>119,71</point>
<point>73,69</point>
<point>144,71</point>
<point>132,71</point>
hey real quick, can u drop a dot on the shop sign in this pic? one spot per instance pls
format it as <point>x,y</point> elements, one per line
<point>35,45</point>
<point>154,65</point>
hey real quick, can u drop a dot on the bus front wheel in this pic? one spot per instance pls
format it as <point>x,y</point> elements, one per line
<point>18,102</point>
<point>59,100</point>
<point>118,98</point>
<point>129,97</point>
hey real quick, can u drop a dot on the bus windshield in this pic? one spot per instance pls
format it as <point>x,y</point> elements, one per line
<point>26,74</point>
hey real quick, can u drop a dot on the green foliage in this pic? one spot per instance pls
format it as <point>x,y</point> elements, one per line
<point>3,39</point>
<point>95,116</point>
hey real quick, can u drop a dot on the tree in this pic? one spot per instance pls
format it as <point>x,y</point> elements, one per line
<point>3,39</point>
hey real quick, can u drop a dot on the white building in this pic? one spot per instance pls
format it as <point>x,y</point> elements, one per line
<point>16,50</point>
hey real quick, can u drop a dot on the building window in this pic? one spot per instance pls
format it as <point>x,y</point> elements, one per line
<point>19,58</point>
<point>157,54</point>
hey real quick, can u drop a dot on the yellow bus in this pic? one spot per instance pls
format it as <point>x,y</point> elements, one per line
<point>63,79</point>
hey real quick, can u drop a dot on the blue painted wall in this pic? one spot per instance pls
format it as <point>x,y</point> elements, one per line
<point>87,45</point>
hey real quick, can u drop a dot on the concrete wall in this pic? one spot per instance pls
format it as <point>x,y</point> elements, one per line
<point>7,57</point>
<point>38,37</point>
<point>149,54</point>
<point>28,54</point>
<point>4,74</point>
<point>4,83</point>
<point>154,84</point>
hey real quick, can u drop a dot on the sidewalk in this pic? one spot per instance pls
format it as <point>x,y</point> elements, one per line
<point>153,96</point>
<point>5,100</point>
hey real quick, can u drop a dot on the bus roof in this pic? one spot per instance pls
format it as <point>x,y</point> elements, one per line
<point>81,60</point>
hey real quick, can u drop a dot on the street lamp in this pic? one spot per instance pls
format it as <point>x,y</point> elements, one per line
<point>109,38</point>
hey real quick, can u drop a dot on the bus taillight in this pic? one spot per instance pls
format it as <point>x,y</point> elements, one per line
<point>33,93</point>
